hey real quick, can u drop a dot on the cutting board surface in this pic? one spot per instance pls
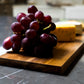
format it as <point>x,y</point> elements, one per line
<point>63,55</point>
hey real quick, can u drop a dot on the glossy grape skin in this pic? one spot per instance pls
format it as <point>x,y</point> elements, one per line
<point>47,19</point>
<point>39,15</point>
<point>34,25</point>
<point>17,27</point>
<point>25,21</point>
<point>16,47</point>
<point>32,9</point>
<point>7,44</point>
<point>47,40</point>
<point>19,16</point>
<point>31,16</point>
<point>16,38</point>
<point>31,33</point>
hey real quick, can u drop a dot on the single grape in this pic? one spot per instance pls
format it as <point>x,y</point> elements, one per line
<point>7,44</point>
<point>42,51</point>
<point>16,47</point>
<point>19,16</point>
<point>34,25</point>
<point>32,9</point>
<point>31,16</point>
<point>39,15</point>
<point>47,19</point>
<point>31,33</point>
<point>27,46</point>
<point>16,38</point>
<point>25,21</point>
<point>46,39</point>
<point>26,42</point>
<point>17,27</point>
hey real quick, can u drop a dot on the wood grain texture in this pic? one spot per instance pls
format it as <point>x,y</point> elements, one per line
<point>63,55</point>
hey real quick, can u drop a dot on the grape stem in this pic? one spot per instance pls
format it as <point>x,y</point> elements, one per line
<point>39,21</point>
<point>16,32</point>
<point>47,27</point>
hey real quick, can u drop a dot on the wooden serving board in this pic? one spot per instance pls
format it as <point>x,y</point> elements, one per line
<point>63,55</point>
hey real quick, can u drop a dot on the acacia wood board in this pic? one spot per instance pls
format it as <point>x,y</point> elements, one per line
<point>63,55</point>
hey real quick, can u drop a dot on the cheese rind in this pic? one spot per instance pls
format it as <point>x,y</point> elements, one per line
<point>65,32</point>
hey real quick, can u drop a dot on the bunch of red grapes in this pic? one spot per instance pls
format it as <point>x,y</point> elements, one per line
<point>31,33</point>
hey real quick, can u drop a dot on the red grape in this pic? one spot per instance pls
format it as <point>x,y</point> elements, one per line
<point>16,27</point>
<point>31,33</point>
<point>19,16</point>
<point>46,39</point>
<point>26,45</point>
<point>25,21</point>
<point>34,25</point>
<point>26,42</point>
<point>39,15</point>
<point>31,16</point>
<point>16,38</point>
<point>47,19</point>
<point>7,44</point>
<point>16,47</point>
<point>32,9</point>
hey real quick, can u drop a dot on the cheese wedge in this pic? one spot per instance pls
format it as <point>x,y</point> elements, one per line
<point>77,25</point>
<point>65,32</point>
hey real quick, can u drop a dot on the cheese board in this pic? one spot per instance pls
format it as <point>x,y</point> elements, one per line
<point>64,53</point>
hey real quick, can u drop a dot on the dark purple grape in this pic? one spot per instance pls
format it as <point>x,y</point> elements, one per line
<point>19,16</point>
<point>25,21</point>
<point>39,15</point>
<point>7,44</point>
<point>26,42</point>
<point>27,46</point>
<point>46,39</point>
<point>42,51</point>
<point>17,27</point>
<point>16,38</point>
<point>34,25</point>
<point>31,16</point>
<point>32,9</point>
<point>31,33</point>
<point>16,47</point>
<point>47,19</point>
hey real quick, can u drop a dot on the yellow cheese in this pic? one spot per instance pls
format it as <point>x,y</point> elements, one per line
<point>77,25</point>
<point>65,32</point>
